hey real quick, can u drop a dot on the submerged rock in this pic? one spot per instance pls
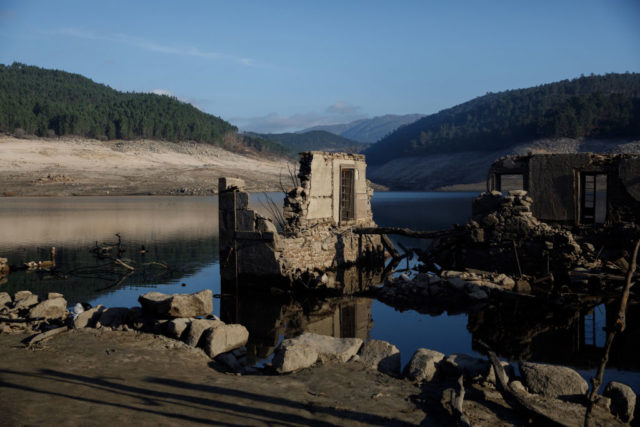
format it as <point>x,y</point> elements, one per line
<point>551,380</point>
<point>381,355</point>
<point>623,400</point>
<point>177,305</point>
<point>423,365</point>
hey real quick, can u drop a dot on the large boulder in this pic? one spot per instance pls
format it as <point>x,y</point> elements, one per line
<point>55,308</point>
<point>623,400</point>
<point>291,357</point>
<point>88,318</point>
<point>224,338</point>
<point>551,380</point>
<point>341,349</point>
<point>197,328</point>
<point>177,305</point>
<point>423,365</point>
<point>381,355</point>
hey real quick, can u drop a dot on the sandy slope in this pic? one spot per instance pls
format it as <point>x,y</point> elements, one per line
<point>467,171</point>
<point>75,166</point>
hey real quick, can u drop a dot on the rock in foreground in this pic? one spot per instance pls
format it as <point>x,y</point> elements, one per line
<point>551,380</point>
<point>177,305</point>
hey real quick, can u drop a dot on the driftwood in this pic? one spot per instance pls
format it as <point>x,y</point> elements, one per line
<point>21,320</point>
<point>122,263</point>
<point>516,399</point>
<point>46,335</point>
<point>407,232</point>
<point>619,326</point>
<point>457,404</point>
<point>386,242</point>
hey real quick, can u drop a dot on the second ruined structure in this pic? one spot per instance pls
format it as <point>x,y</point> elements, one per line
<point>316,242</point>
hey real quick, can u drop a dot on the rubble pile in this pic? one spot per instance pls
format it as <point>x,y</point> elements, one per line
<point>430,293</point>
<point>504,236</point>
<point>183,317</point>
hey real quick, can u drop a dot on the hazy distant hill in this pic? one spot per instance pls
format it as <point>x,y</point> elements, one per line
<point>369,130</point>
<point>313,140</point>
<point>587,107</point>
<point>44,102</point>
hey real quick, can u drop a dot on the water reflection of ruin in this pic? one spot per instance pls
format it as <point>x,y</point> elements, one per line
<point>270,317</point>
<point>521,330</point>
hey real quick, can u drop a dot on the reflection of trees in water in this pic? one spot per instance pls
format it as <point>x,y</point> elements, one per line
<point>81,276</point>
<point>559,334</point>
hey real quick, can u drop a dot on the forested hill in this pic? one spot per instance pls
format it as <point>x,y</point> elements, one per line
<point>44,102</point>
<point>313,140</point>
<point>605,106</point>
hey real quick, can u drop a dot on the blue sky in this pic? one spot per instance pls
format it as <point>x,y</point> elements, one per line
<point>284,65</point>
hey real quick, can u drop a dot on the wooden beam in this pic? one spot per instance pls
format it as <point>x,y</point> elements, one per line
<point>407,232</point>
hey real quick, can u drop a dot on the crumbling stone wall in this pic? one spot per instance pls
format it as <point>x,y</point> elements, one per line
<point>314,239</point>
<point>553,182</point>
<point>317,200</point>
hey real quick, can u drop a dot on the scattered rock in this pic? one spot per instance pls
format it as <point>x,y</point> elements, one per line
<point>423,365</point>
<point>224,338</point>
<point>623,400</point>
<point>292,357</point>
<point>196,329</point>
<point>177,305</point>
<point>5,299</point>
<point>55,308</point>
<point>24,299</point>
<point>230,361</point>
<point>54,295</point>
<point>551,380</point>
<point>88,318</point>
<point>381,355</point>
<point>176,328</point>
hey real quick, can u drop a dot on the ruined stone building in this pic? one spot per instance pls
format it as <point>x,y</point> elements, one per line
<point>582,188</point>
<point>316,240</point>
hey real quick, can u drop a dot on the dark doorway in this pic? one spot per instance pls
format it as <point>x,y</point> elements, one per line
<point>593,201</point>
<point>347,186</point>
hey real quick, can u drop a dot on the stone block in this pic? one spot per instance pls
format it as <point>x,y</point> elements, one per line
<point>245,220</point>
<point>381,355</point>
<point>177,305</point>
<point>88,318</point>
<point>224,338</point>
<point>623,400</point>
<point>197,328</point>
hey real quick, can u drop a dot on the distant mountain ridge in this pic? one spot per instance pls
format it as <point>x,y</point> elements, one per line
<point>602,107</point>
<point>368,130</point>
<point>317,140</point>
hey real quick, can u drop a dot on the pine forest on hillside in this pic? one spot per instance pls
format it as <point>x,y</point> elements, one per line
<point>596,107</point>
<point>43,102</point>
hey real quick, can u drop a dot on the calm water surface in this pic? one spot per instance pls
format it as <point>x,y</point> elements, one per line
<point>182,234</point>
